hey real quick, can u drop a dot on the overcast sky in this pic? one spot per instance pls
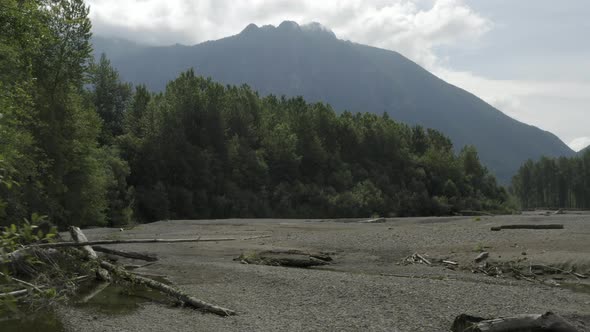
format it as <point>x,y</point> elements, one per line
<point>529,58</point>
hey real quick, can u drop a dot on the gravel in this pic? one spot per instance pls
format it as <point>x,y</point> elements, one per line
<point>366,289</point>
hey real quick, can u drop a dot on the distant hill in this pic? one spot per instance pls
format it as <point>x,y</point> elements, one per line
<point>581,152</point>
<point>312,62</point>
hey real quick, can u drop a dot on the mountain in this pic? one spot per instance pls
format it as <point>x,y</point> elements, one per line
<point>584,150</point>
<point>311,61</point>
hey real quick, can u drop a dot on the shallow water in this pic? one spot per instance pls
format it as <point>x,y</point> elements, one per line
<point>114,299</point>
<point>41,321</point>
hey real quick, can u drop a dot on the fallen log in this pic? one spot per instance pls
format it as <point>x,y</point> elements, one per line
<point>126,254</point>
<point>80,238</point>
<point>289,258</point>
<point>17,293</point>
<point>482,256</point>
<point>548,322</point>
<point>98,288</point>
<point>98,242</point>
<point>373,221</point>
<point>17,253</point>
<point>528,226</point>
<point>177,294</point>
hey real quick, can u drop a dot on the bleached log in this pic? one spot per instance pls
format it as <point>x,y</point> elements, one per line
<point>126,254</point>
<point>482,256</point>
<point>175,293</point>
<point>528,226</point>
<point>79,238</point>
<point>548,322</point>
<point>99,242</point>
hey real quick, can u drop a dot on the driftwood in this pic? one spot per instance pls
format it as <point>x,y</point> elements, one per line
<point>15,254</point>
<point>291,258</point>
<point>482,256</point>
<point>22,282</point>
<point>97,242</point>
<point>528,226</point>
<point>373,221</point>
<point>416,258</point>
<point>473,213</point>
<point>548,322</point>
<point>80,238</point>
<point>127,254</point>
<point>177,294</point>
<point>98,288</point>
<point>17,293</point>
<point>134,278</point>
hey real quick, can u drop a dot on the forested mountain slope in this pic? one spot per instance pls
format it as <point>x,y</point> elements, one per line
<point>310,61</point>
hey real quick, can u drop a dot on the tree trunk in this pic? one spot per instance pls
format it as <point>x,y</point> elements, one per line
<point>547,322</point>
<point>78,238</point>
<point>525,226</point>
<point>127,254</point>
<point>177,294</point>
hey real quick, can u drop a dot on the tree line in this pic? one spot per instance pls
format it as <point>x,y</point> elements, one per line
<point>85,148</point>
<point>554,183</point>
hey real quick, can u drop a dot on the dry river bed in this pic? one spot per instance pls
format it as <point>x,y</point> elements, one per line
<point>365,288</point>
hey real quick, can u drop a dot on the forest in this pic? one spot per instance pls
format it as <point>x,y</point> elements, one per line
<point>84,148</point>
<point>554,183</point>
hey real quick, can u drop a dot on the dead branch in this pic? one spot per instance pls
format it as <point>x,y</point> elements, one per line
<point>95,291</point>
<point>482,256</point>
<point>80,238</point>
<point>528,226</point>
<point>22,282</point>
<point>547,322</point>
<point>17,293</point>
<point>98,242</point>
<point>127,254</point>
<point>177,294</point>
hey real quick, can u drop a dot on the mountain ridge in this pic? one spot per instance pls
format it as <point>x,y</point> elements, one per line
<point>311,61</point>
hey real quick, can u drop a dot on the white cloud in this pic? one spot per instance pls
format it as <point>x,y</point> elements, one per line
<point>579,143</point>
<point>412,28</point>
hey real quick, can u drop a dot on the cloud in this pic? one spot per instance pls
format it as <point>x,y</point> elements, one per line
<point>557,106</point>
<point>413,28</point>
<point>580,143</point>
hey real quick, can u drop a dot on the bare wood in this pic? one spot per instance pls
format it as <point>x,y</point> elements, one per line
<point>97,290</point>
<point>98,242</point>
<point>20,292</point>
<point>423,259</point>
<point>547,322</point>
<point>528,226</point>
<point>79,238</point>
<point>22,282</point>
<point>127,254</point>
<point>373,221</point>
<point>450,262</point>
<point>482,256</point>
<point>256,237</point>
<point>177,294</point>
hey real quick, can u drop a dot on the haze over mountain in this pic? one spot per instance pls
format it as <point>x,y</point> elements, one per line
<point>311,61</point>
